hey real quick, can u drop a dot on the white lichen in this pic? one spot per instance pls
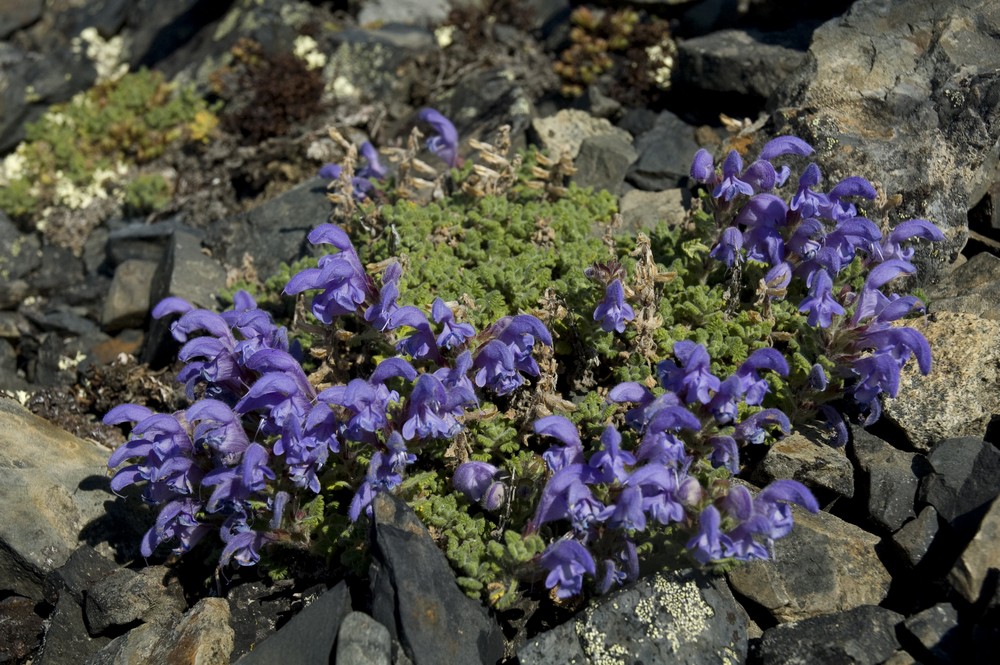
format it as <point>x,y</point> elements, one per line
<point>108,55</point>
<point>307,49</point>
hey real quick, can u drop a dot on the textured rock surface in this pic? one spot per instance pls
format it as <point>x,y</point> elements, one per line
<point>363,641</point>
<point>962,392</point>
<point>971,288</point>
<point>964,478</point>
<point>681,617</point>
<point>889,478</point>
<point>565,132</point>
<point>812,463</point>
<point>915,537</point>
<point>603,161</point>
<point>935,630</point>
<point>980,557</point>
<point>865,635</point>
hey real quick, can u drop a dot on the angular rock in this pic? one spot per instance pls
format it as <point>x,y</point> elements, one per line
<point>864,635</point>
<point>255,609</point>
<point>363,641</point>
<point>20,253</point>
<point>964,479</point>
<point>414,593</point>
<point>201,636</point>
<point>127,304</point>
<point>309,636</point>
<point>140,241</point>
<point>904,93</point>
<point>66,639</point>
<point>678,617</point>
<point>971,288</point>
<point>980,558</point>
<point>740,62</point>
<point>126,596</point>
<point>17,14</point>
<point>804,458</point>
<point>900,658</point>
<point>890,478</point>
<point>824,565</point>
<point>934,634</point>
<point>20,628</point>
<point>603,162</point>
<point>484,100</point>
<point>962,391</point>
<point>915,537</point>
<point>565,132</point>
<point>665,153</point>
<point>47,496</point>
<point>84,567</point>
<point>418,12</point>
<point>643,211</point>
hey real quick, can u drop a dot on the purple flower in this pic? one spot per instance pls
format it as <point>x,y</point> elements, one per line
<point>220,429</point>
<point>445,143</point>
<point>341,277</point>
<point>452,334</point>
<point>692,379</point>
<point>658,485</point>
<point>706,545</point>
<point>626,512</point>
<point>772,504</point>
<point>727,250</point>
<point>891,247</point>
<point>751,429</point>
<point>242,543</point>
<point>428,413</point>
<point>611,460</point>
<point>566,495</point>
<point>494,363</point>
<point>725,452</point>
<point>379,314</point>
<point>806,202</point>
<point>702,167</point>
<point>820,304</point>
<point>613,311</point>
<point>176,521</point>
<point>567,561</point>
<point>560,428</point>
<point>731,185</point>
<point>473,479</point>
<point>754,387</point>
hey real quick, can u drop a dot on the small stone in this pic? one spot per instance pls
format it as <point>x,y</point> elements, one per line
<point>665,153</point>
<point>20,628</point>
<point>964,479</point>
<point>981,556</point>
<point>127,304</point>
<point>603,162</point>
<point>813,463</point>
<point>864,635</point>
<point>890,479</point>
<point>84,567</point>
<point>936,631</point>
<point>66,640</point>
<point>916,536</point>
<point>363,641</point>
<point>126,596</point>
<point>565,132</point>
<point>643,211</point>
<point>971,288</point>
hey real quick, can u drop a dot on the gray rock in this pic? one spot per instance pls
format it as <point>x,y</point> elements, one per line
<point>126,596</point>
<point>144,242</point>
<point>915,537</point>
<point>643,211</point>
<point>20,628</point>
<point>864,635</point>
<point>980,558</point>
<point>603,162</point>
<point>738,61</point>
<point>84,567</point>
<point>679,617</point>
<point>890,479</point>
<point>665,154</point>
<point>66,639</point>
<point>971,288</point>
<point>483,101</point>
<point>417,12</point>
<point>309,636</point>
<point>365,65</point>
<point>46,497</point>
<point>127,304</point>
<point>903,92</point>
<point>936,631</point>
<point>20,253</point>
<point>900,658</point>
<point>964,479</point>
<point>415,596</point>
<point>565,132</point>
<point>962,392</point>
<point>805,458</point>
<point>17,14</point>
<point>201,636</point>
<point>362,640</point>
<point>255,609</point>
<point>824,565</point>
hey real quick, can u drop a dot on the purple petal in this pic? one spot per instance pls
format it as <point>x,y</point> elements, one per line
<point>785,145</point>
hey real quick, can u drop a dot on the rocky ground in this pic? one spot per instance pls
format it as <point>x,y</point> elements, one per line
<point>901,566</point>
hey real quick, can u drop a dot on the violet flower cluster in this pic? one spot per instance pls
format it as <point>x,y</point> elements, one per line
<point>607,498</point>
<point>812,236</point>
<point>253,449</point>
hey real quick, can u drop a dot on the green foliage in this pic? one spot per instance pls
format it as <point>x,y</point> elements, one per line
<point>146,193</point>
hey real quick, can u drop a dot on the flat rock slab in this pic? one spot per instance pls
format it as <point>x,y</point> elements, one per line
<point>865,635</point>
<point>679,617</point>
<point>52,485</point>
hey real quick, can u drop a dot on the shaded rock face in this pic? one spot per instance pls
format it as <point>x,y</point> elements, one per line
<point>866,634</point>
<point>905,94</point>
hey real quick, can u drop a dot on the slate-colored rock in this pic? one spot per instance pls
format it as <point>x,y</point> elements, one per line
<point>903,92</point>
<point>565,132</point>
<point>824,565</point>
<point>309,636</point>
<point>963,480</point>
<point>67,641</point>
<point>865,635</point>
<point>643,211</point>
<point>17,14</point>
<point>970,288</point>
<point>980,560</point>
<point>739,62</point>
<point>201,636</point>
<point>890,478</point>
<point>139,241</point>
<point>962,392</point>
<point>914,539</point>
<point>46,496</point>
<point>815,464</point>
<point>255,609</point>
<point>415,596</point>
<point>126,596</point>
<point>127,304</point>
<point>20,628</point>
<point>678,617</point>
<point>665,153</point>
<point>933,635</point>
<point>603,162</point>
<point>419,12</point>
<point>363,641</point>
<point>84,567</point>
<point>20,253</point>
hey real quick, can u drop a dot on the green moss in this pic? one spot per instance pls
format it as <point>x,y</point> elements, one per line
<point>146,193</point>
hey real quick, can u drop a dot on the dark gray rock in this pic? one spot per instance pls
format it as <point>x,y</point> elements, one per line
<point>144,242</point>
<point>915,537</point>
<point>643,211</point>
<point>679,617</point>
<point>363,641</point>
<point>933,635</point>
<point>740,62</point>
<point>17,14</point>
<point>483,101</point>
<point>802,456</point>
<point>127,304</point>
<point>904,92</point>
<point>20,253</point>
<point>84,567</point>
<point>665,153</point>
<point>975,574</point>
<point>20,628</point>
<point>603,162</point>
<point>428,13</point>
<point>964,479</point>
<point>126,596</point>
<point>415,596</point>
<point>864,635</point>
<point>890,478</point>
<point>309,636</point>
<point>66,639</point>
<point>255,611</point>
<point>970,288</point>
<point>61,319</point>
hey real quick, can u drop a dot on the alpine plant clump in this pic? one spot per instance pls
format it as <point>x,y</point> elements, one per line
<point>504,431</point>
